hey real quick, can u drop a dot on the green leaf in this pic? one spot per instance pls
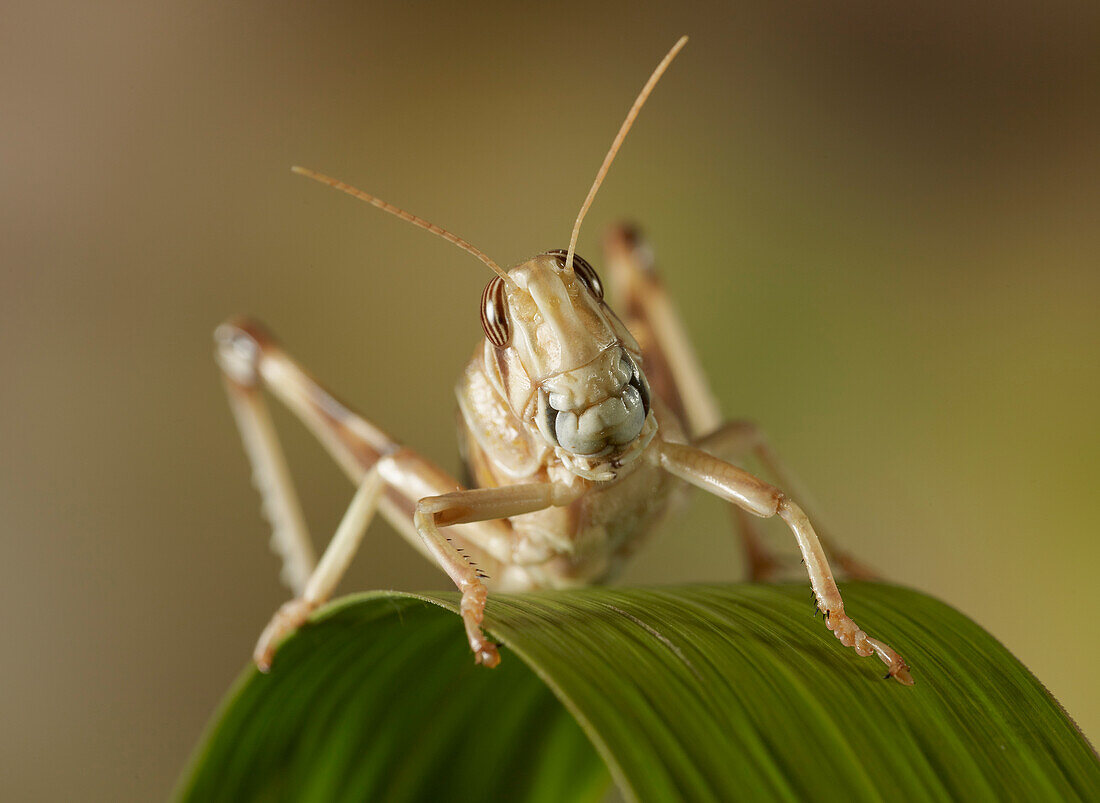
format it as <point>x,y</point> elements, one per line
<point>686,693</point>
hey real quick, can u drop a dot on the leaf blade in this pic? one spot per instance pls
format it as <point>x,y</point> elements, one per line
<point>697,692</point>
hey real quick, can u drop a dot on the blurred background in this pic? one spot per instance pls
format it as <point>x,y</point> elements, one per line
<point>881,223</point>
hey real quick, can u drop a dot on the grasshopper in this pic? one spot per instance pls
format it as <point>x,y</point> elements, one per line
<point>576,426</point>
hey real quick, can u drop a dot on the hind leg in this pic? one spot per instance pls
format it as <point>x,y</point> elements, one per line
<point>677,377</point>
<point>390,477</point>
<point>324,578</point>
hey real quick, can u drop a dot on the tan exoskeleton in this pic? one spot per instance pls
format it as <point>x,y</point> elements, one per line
<point>575,427</point>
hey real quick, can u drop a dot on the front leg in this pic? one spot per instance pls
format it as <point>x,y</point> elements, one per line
<point>479,504</point>
<point>734,440</point>
<point>758,497</point>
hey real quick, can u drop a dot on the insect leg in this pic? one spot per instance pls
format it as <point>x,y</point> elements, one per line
<point>479,504</point>
<point>354,442</point>
<point>734,440</point>
<point>671,364</point>
<point>238,358</point>
<point>251,361</point>
<point>761,499</point>
<point>322,582</point>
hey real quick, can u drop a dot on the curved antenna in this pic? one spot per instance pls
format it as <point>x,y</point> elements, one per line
<point>407,216</point>
<point>629,121</point>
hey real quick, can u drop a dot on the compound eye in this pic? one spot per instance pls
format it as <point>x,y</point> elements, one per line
<point>587,274</point>
<point>494,313</point>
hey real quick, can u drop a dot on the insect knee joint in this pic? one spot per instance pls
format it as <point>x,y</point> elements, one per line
<point>239,348</point>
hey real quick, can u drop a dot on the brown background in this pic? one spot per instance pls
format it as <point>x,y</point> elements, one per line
<point>881,224</point>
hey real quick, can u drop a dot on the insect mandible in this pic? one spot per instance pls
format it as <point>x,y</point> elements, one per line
<point>575,425</point>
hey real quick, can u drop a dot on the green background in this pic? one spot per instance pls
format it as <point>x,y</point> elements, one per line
<point>882,225</point>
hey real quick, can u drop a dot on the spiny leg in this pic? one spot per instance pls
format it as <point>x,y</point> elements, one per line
<point>251,361</point>
<point>324,578</point>
<point>763,563</point>
<point>337,557</point>
<point>759,498</point>
<point>733,441</point>
<point>678,378</point>
<point>671,364</point>
<point>477,505</point>
<point>270,474</point>
<point>251,358</point>
<point>672,367</point>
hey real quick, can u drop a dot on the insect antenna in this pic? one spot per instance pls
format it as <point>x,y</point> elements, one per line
<point>406,216</point>
<point>627,123</point>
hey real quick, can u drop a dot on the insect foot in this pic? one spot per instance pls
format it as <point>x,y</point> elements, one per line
<point>850,635</point>
<point>472,608</point>
<point>286,620</point>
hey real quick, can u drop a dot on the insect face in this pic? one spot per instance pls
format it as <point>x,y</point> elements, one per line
<point>580,368</point>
